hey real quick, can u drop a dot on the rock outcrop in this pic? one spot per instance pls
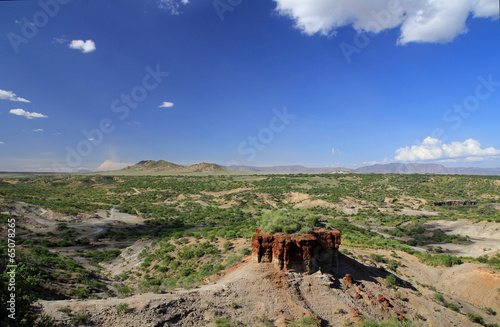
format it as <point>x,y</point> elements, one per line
<point>301,253</point>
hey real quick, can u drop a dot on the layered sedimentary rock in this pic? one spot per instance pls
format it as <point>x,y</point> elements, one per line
<point>302,253</point>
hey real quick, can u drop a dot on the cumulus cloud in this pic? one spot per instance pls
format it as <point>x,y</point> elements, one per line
<point>437,21</point>
<point>434,149</point>
<point>9,95</point>
<point>166,105</point>
<point>172,5</point>
<point>110,165</point>
<point>84,46</point>
<point>27,114</point>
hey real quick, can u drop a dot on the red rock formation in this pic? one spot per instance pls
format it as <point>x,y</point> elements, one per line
<point>303,253</point>
<point>384,301</point>
<point>348,279</point>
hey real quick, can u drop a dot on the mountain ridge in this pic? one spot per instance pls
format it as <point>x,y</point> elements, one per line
<point>162,165</point>
<point>390,168</point>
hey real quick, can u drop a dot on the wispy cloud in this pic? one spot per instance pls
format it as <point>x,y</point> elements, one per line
<point>9,95</point>
<point>419,21</point>
<point>2,143</point>
<point>38,130</point>
<point>166,105</point>
<point>433,149</point>
<point>60,40</point>
<point>56,133</point>
<point>172,5</point>
<point>27,114</point>
<point>84,46</point>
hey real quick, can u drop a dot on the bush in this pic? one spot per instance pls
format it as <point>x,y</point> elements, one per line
<point>123,308</point>
<point>81,292</point>
<point>475,318</point>
<point>222,322</point>
<point>123,290</point>
<point>79,319</point>
<point>438,297</point>
<point>452,306</point>
<point>391,281</point>
<point>490,311</point>
<point>288,222</point>
<point>233,259</point>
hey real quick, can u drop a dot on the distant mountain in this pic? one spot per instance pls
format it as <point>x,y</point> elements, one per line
<point>152,165</point>
<point>205,167</point>
<point>166,166</point>
<point>295,169</point>
<point>392,168</point>
<point>400,168</point>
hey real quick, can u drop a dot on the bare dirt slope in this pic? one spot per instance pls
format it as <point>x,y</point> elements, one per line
<point>250,291</point>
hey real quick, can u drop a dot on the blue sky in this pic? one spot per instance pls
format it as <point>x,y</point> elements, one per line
<point>317,83</point>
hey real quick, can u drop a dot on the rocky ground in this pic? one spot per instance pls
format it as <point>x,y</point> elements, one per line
<point>253,293</point>
<point>259,295</point>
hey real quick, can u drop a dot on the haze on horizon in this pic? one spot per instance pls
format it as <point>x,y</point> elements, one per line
<point>320,83</point>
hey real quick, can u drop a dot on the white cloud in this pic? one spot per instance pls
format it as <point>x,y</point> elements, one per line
<point>419,20</point>
<point>27,114</point>
<point>84,46</point>
<point>38,130</point>
<point>434,149</point>
<point>166,105</point>
<point>56,133</point>
<point>9,95</point>
<point>110,165</point>
<point>2,143</point>
<point>172,5</point>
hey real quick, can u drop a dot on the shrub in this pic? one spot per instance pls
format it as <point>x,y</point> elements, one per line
<point>123,290</point>
<point>452,306</point>
<point>475,318</point>
<point>288,222</point>
<point>66,310</point>
<point>233,259</point>
<point>222,322</point>
<point>123,308</point>
<point>79,319</point>
<point>490,311</point>
<point>226,245</point>
<point>438,297</point>
<point>391,281</point>
<point>80,292</point>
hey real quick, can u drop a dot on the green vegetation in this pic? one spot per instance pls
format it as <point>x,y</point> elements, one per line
<point>476,318</point>
<point>123,308</point>
<point>307,321</point>
<point>392,322</point>
<point>104,255</point>
<point>189,217</point>
<point>79,319</point>
<point>391,281</point>
<point>490,311</point>
<point>288,222</point>
<point>222,322</point>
